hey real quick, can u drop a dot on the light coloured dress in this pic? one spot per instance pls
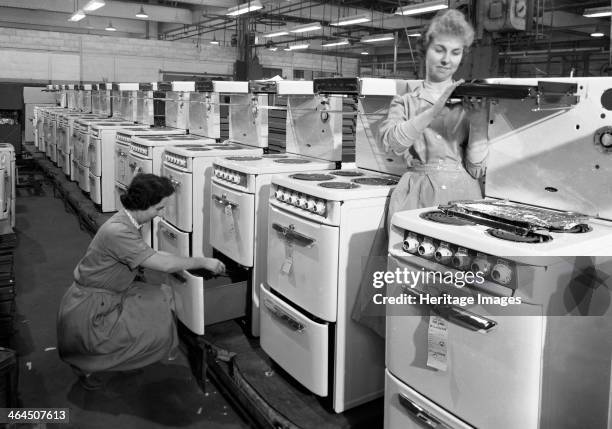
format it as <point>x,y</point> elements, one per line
<point>106,320</point>
<point>441,165</point>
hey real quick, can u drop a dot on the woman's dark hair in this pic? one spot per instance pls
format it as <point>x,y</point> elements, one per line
<point>145,191</point>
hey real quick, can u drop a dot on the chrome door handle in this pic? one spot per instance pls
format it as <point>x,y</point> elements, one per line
<point>458,315</point>
<point>169,234</point>
<point>284,317</point>
<point>223,201</point>
<point>175,183</point>
<point>420,414</point>
<point>290,234</point>
<point>132,165</point>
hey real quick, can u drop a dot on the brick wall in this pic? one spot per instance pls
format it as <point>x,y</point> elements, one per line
<point>43,56</point>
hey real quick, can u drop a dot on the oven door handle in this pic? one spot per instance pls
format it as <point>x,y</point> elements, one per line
<point>419,413</point>
<point>284,317</point>
<point>223,201</point>
<point>458,315</point>
<point>289,233</point>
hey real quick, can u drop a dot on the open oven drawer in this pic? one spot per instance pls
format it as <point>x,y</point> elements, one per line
<point>202,299</point>
<point>95,190</point>
<point>232,223</point>
<point>295,342</point>
<point>170,239</point>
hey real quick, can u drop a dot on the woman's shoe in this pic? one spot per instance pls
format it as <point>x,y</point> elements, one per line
<point>91,381</point>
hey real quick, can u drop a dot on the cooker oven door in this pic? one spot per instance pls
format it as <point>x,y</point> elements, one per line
<point>232,223</point>
<point>294,341</point>
<point>121,164</point>
<point>494,358</point>
<point>82,176</point>
<point>406,409</point>
<point>95,191</point>
<point>169,239</point>
<point>66,163</point>
<point>137,165</point>
<point>94,156</point>
<point>179,209</point>
<point>303,262</point>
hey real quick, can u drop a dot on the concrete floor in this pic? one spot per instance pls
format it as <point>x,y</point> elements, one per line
<point>165,395</point>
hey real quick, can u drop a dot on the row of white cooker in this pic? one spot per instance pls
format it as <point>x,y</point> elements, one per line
<point>303,241</point>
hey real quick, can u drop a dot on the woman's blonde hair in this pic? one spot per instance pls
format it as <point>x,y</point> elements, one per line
<point>450,22</point>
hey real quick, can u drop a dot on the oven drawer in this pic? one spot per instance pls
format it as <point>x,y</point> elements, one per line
<point>202,301</point>
<point>295,342</point>
<point>479,362</point>
<point>179,208</point>
<point>95,189</point>
<point>169,239</point>
<point>406,409</point>
<point>232,223</point>
<point>303,262</point>
<point>82,177</point>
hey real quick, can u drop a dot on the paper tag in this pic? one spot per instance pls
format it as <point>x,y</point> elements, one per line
<point>230,227</point>
<point>437,343</point>
<point>288,264</point>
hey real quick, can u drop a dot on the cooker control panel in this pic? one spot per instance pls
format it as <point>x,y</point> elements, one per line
<point>139,149</point>
<point>229,175</point>
<point>175,159</point>
<point>489,267</point>
<point>301,200</point>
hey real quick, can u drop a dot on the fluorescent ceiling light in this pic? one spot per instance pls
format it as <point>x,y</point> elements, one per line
<point>93,5</point>
<point>378,37</point>
<point>244,8</point>
<point>273,48</point>
<point>597,12</point>
<point>214,41</point>
<point>349,20</point>
<point>415,34</point>
<point>597,33</point>
<point>141,13</point>
<point>110,27</point>
<point>276,33</point>
<point>296,47</point>
<point>365,53</point>
<point>424,7</point>
<point>336,43</point>
<point>77,16</point>
<point>312,26</point>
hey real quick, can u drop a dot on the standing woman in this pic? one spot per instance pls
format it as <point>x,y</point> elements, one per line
<point>445,146</point>
<point>107,321</point>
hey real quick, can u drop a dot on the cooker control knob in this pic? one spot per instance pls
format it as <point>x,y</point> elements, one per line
<point>443,254</point>
<point>461,260</point>
<point>311,204</point>
<point>217,172</point>
<point>286,196</point>
<point>411,244</point>
<point>426,249</point>
<point>236,178</point>
<point>294,198</point>
<point>233,177</point>
<point>320,208</point>
<point>481,264</point>
<point>278,194</point>
<point>501,273</point>
<point>303,202</point>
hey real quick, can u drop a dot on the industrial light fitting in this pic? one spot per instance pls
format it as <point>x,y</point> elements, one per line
<point>77,16</point>
<point>276,33</point>
<point>94,5</point>
<point>414,34</point>
<point>349,20</point>
<point>141,13</point>
<point>296,47</point>
<point>335,43</point>
<point>597,12</point>
<point>110,27</point>
<point>421,8</point>
<point>365,53</point>
<point>378,37</point>
<point>214,41</point>
<point>312,26</point>
<point>597,32</point>
<point>244,8</point>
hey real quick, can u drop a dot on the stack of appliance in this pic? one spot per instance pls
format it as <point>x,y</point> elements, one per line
<point>101,160</point>
<point>240,189</point>
<point>204,111</point>
<point>247,113</point>
<point>123,101</point>
<point>326,231</point>
<point>101,99</point>
<point>541,237</point>
<point>68,139</point>
<point>84,98</point>
<point>177,104</point>
<point>145,104</point>
<point>71,96</point>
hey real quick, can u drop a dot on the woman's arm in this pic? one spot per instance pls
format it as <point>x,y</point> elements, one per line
<point>399,131</point>
<point>169,263</point>
<point>477,149</point>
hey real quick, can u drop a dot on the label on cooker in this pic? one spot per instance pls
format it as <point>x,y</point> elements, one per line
<point>230,227</point>
<point>437,343</point>
<point>286,268</point>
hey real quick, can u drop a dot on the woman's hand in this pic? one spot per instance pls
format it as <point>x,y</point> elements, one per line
<point>213,265</point>
<point>441,102</point>
<point>477,111</point>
